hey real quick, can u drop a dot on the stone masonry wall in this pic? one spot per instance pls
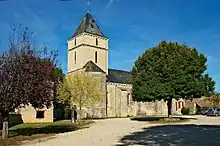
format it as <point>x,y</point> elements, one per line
<point>119,106</point>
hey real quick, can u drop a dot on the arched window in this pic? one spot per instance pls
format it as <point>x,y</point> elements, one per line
<point>75,42</point>
<point>96,42</point>
<point>96,59</point>
<point>75,57</point>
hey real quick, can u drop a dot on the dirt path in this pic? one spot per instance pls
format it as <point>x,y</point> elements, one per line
<point>108,132</point>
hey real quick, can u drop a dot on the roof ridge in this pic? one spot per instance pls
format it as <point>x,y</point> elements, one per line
<point>119,70</point>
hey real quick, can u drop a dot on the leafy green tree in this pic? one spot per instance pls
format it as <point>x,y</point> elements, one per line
<point>81,90</point>
<point>26,75</point>
<point>58,74</point>
<point>171,70</point>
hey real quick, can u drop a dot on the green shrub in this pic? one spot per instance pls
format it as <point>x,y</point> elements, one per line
<point>185,111</point>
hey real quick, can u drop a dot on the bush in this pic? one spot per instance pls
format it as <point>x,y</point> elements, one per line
<point>67,112</point>
<point>185,111</point>
<point>198,111</point>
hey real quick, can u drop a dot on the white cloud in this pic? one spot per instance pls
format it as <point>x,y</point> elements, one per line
<point>110,2</point>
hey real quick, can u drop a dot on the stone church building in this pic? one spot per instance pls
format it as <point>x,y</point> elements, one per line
<point>88,52</point>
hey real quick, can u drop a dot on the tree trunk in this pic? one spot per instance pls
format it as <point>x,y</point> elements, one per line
<point>169,106</point>
<point>80,112</point>
<point>73,120</point>
<point>5,125</point>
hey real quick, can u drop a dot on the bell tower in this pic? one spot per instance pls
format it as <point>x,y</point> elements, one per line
<point>87,44</point>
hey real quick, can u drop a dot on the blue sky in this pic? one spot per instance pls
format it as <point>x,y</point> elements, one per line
<point>132,26</point>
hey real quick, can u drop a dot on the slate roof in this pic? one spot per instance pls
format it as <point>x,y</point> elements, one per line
<point>92,67</point>
<point>88,25</point>
<point>119,76</point>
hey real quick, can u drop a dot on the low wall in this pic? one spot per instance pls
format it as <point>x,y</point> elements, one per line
<point>157,108</point>
<point>14,119</point>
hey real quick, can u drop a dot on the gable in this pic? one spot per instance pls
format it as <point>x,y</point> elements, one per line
<point>92,67</point>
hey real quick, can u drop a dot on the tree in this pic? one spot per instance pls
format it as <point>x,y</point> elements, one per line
<point>80,89</point>
<point>26,75</point>
<point>58,74</point>
<point>170,70</point>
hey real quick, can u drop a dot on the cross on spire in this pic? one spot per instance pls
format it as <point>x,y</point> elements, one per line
<point>88,4</point>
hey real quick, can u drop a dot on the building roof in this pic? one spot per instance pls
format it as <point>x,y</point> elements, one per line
<point>88,25</point>
<point>199,102</point>
<point>119,76</point>
<point>90,66</point>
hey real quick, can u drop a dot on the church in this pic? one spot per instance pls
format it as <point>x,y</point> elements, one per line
<point>88,52</point>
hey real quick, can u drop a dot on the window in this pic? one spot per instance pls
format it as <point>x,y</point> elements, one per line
<point>96,57</point>
<point>96,42</point>
<point>128,99</point>
<point>75,42</point>
<point>40,114</point>
<point>75,57</point>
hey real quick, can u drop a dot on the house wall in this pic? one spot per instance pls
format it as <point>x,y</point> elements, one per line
<point>28,115</point>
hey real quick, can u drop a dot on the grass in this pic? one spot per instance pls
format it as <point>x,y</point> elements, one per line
<point>23,132</point>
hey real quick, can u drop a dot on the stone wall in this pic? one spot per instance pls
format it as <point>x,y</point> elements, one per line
<point>120,103</point>
<point>151,108</point>
<point>98,110</point>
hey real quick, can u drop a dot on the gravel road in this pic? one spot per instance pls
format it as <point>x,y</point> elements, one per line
<point>109,132</point>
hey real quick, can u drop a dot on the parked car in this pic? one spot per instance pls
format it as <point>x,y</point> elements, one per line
<point>205,111</point>
<point>214,112</point>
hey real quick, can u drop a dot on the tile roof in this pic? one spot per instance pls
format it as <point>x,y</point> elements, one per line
<point>119,76</point>
<point>199,102</point>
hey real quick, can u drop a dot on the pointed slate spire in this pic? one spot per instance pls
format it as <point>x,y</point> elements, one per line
<point>88,25</point>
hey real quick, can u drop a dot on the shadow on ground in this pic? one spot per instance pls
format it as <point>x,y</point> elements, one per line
<point>181,135</point>
<point>50,129</point>
<point>29,132</point>
<point>44,130</point>
<point>150,119</point>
